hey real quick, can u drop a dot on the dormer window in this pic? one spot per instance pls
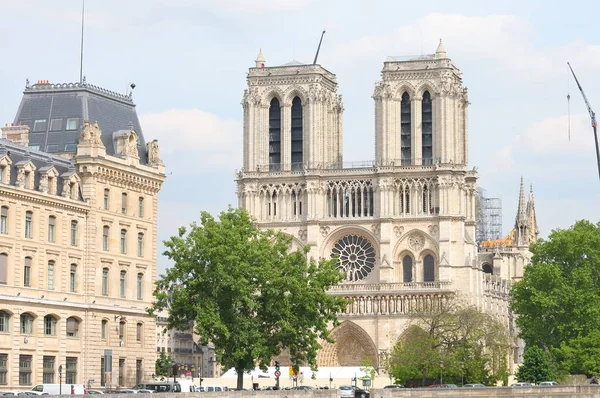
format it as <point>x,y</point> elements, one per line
<point>56,125</point>
<point>28,179</point>
<point>72,123</point>
<point>52,184</point>
<point>39,126</point>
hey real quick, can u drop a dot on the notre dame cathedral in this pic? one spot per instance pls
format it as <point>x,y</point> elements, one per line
<point>402,226</point>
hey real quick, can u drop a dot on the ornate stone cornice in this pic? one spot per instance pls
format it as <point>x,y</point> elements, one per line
<point>31,196</point>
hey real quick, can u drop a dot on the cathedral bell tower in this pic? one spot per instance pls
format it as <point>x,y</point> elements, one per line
<point>421,112</point>
<point>292,118</point>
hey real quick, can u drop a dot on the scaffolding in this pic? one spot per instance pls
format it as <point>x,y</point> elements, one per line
<point>489,217</point>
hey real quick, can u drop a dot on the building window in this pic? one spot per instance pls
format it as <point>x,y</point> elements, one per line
<point>407,269</point>
<point>297,139</point>
<point>140,245</point>
<point>138,332</point>
<point>49,325</point>
<point>48,376</point>
<point>122,284</point>
<point>72,123</point>
<point>24,370</point>
<point>487,268</point>
<point>72,327</point>
<point>140,280</point>
<point>121,380</point>
<point>56,125</point>
<point>427,128</point>
<point>26,324</point>
<point>27,272</point>
<point>3,369</point>
<point>123,241</point>
<point>39,126</point>
<point>51,228</point>
<point>3,267</point>
<point>122,331</point>
<point>28,221</point>
<point>4,220</point>
<point>50,275</point>
<point>103,372</point>
<point>103,328</point>
<point>105,281</point>
<point>124,203</point>
<point>73,233</point>
<point>139,371</point>
<point>405,130</point>
<point>105,231</point>
<point>71,377</point>
<point>141,207</point>
<point>73,278</point>
<point>274,135</point>
<point>4,318</point>
<point>428,269</point>
<point>106,198</point>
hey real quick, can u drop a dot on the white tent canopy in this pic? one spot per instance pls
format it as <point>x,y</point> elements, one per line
<point>321,373</point>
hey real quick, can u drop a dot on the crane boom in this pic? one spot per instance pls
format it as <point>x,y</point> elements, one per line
<point>592,116</point>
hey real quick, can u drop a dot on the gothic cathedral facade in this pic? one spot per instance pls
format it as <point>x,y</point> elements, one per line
<point>402,226</point>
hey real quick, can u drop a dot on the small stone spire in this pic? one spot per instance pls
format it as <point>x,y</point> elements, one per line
<point>533,227</point>
<point>522,221</point>
<point>260,60</point>
<point>440,53</point>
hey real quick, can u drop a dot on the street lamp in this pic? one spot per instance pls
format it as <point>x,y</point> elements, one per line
<point>441,372</point>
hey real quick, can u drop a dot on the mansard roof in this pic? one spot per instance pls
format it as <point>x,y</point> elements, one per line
<point>73,104</point>
<point>42,161</point>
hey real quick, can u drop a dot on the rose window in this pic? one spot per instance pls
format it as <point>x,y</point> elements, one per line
<point>356,257</point>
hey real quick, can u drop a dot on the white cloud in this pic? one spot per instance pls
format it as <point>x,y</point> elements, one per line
<point>503,158</point>
<point>551,135</point>
<point>204,138</point>
<point>237,6</point>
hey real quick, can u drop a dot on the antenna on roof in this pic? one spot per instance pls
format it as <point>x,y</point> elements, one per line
<point>81,55</point>
<point>318,48</point>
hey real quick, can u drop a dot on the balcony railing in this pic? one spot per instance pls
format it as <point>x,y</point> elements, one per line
<point>362,164</point>
<point>359,288</point>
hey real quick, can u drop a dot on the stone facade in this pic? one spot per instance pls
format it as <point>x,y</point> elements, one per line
<point>77,259</point>
<point>403,225</point>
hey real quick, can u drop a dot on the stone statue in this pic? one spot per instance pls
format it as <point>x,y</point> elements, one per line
<point>21,178</point>
<point>153,152</point>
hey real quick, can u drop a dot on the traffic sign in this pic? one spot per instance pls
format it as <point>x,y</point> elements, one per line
<point>277,373</point>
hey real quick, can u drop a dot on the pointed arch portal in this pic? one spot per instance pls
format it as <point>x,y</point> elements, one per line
<point>352,347</point>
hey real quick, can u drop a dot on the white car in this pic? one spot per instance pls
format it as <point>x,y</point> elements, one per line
<point>548,383</point>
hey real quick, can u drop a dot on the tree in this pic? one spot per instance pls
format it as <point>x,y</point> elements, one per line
<point>454,340</point>
<point>164,365</point>
<point>538,365</point>
<point>558,298</point>
<point>247,293</point>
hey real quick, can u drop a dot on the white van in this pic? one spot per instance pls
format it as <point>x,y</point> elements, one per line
<point>211,388</point>
<point>60,389</point>
<point>187,385</point>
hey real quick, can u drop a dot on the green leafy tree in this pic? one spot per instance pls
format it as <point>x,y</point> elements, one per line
<point>247,293</point>
<point>164,365</point>
<point>558,298</point>
<point>538,365</point>
<point>455,342</point>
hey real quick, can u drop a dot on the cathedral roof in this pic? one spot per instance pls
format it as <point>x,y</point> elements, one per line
<point>56,112</point>
<point>294,63</point>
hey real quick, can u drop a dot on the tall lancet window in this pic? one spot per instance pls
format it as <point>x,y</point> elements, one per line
<point>274,135</point>
<point>405,128</point>
<point>427,132</point>
<point>297,157</point>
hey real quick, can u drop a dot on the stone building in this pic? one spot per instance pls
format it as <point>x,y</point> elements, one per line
<point>78,199</point>
<point>402,225</point>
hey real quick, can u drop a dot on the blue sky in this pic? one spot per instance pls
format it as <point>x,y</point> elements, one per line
<point>189,58</point>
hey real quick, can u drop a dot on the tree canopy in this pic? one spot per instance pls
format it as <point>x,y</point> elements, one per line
<point>557,301</point>
<point>247,293</point>
<point>455,343</point>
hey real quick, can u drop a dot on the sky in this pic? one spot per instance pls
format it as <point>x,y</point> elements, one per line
<point>189,59</point>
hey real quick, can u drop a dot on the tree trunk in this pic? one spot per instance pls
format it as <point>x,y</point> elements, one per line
<point>240,377</point>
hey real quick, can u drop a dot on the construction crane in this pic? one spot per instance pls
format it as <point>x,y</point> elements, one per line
<point>592,116</point>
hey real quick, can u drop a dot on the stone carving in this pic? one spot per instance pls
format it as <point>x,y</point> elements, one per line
<point>43,183</point>
<point>416,241</point>
<point>398,231</point>
<point>90,134</point>
<point>153,153</point>
<point>302,234</point>
<point>433,230</point>
<point>324,230</point>
<point>131,146</point>
<point>66,189</point>
<point>376,228</point>
<point>21,178</point>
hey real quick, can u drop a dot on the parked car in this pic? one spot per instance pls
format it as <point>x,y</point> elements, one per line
<point>353,392</point>
<point>94,392</point>
<point>521,384</point>
<point>303,388</point>
<point>474,385</point>
<point>394,386</point>
<point>548,383</point>
<point>121,391</point>
<point>443,386</point>
<point>59,389</point>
